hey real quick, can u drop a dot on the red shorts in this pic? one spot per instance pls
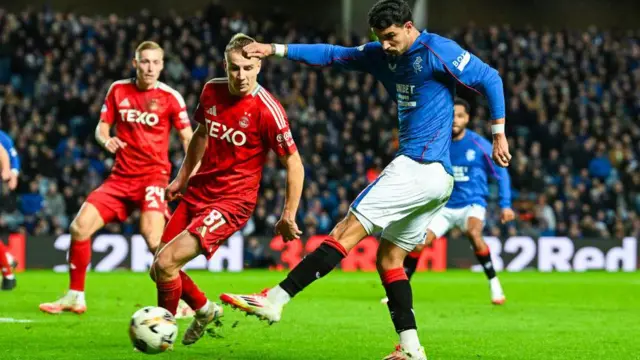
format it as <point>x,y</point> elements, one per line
<point>116,198</point>
<point>211,226</point>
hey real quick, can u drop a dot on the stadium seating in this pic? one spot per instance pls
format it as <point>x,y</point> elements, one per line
<point>573,114</point>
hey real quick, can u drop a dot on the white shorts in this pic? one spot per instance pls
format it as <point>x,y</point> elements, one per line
<point>449,218</point>
<point>402,201</point>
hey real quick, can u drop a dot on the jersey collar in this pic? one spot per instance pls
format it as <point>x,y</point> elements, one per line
<point>255,91</point>
<point>422,38</point>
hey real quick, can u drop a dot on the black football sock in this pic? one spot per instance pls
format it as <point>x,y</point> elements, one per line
<point>314,266</point>
<point>411,263</point>
<point>484,258</point>
<point>396,284</point>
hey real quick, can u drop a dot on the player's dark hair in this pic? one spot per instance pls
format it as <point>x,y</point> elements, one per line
<point>237,42</point>
<point>464,103</point>
<point>389,12</point>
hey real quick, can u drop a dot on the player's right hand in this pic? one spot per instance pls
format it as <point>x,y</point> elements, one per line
<point>175,190</point>
<point>258,50</point>
<point>114,144</point>
<point>288,228</point>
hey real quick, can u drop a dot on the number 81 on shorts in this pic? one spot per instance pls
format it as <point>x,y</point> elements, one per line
<point>213,221</point>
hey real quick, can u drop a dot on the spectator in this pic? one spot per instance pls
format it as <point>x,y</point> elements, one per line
<point>573,119</point>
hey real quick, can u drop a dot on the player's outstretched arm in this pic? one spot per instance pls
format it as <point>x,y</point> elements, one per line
<point>195,150</point>
<point>449,58</point>
<point>348,58</point>
<point>112,144</point>
<point>287,226</point>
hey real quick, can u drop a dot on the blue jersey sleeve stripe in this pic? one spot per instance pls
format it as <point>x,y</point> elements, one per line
<point>493,170</point>
<point>449,70</point>
<point>364,192</point>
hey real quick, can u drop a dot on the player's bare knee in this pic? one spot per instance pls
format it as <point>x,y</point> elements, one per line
<point>384,264</point>
<point>164,267</point>
<point>339,229</point>
<point>474,234</point>
<point>80,230</point>
<point>389,258</point>
<point>153,241</point>
<point>348,232</point>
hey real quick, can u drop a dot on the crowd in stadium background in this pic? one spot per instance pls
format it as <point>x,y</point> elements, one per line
<point>573,117</point>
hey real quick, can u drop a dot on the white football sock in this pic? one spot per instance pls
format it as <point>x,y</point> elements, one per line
<point>409,340</point>
<point>10,277</point>
<point>495,283</point>
<point>204,309</point>
<point>78,295</point>
<point>278,296</point>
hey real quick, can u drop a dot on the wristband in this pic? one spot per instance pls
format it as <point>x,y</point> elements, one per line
<point>279,49</point>
<point>497,129</point>
<point>107,142</point>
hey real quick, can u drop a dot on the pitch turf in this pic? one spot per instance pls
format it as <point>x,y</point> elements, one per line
<point>547,316</point>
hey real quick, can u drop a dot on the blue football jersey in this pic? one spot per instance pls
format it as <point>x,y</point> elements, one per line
<point>472,167</point>
<point>422,80</point>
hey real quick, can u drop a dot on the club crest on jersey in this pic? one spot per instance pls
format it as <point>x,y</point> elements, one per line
<point>417,65</point>
<point>244,121</point>
<point>153,105</point>
<point>471,155</point>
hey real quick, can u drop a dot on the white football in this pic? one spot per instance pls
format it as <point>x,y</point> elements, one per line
<point>153,330</point>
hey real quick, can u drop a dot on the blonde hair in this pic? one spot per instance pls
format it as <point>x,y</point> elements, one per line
<point>237,42</point>
<point>148,45</point>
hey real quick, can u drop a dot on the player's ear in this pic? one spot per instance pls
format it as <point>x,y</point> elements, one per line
<point>224,65</point>
<point>259,66</point>
<point>134,62</point>
<point>408,25</point>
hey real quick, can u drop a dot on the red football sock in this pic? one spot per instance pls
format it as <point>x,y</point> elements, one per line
<point>4,262</point>
<point>169,294</point>
<point>191,294</point>
<point>79,260</point>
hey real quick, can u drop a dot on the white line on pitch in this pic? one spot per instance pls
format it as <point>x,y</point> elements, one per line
<point>12,320</point>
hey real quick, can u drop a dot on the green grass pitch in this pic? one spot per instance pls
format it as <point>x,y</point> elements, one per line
<point>547,316</point>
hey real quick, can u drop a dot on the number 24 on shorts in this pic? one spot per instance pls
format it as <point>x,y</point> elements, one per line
<point>155,196</point>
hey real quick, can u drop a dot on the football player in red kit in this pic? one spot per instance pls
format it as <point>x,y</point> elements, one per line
<point>7,262</point>
<point>239,121</point>
<point>142,110</point>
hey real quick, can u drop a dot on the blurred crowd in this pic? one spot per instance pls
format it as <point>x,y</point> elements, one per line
<point>573,115</point>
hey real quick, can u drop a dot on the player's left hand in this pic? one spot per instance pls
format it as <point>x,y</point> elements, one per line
<point>288,228</point>
<point>507,215</point>
<point>501,155</point>
<point>175,190</point>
